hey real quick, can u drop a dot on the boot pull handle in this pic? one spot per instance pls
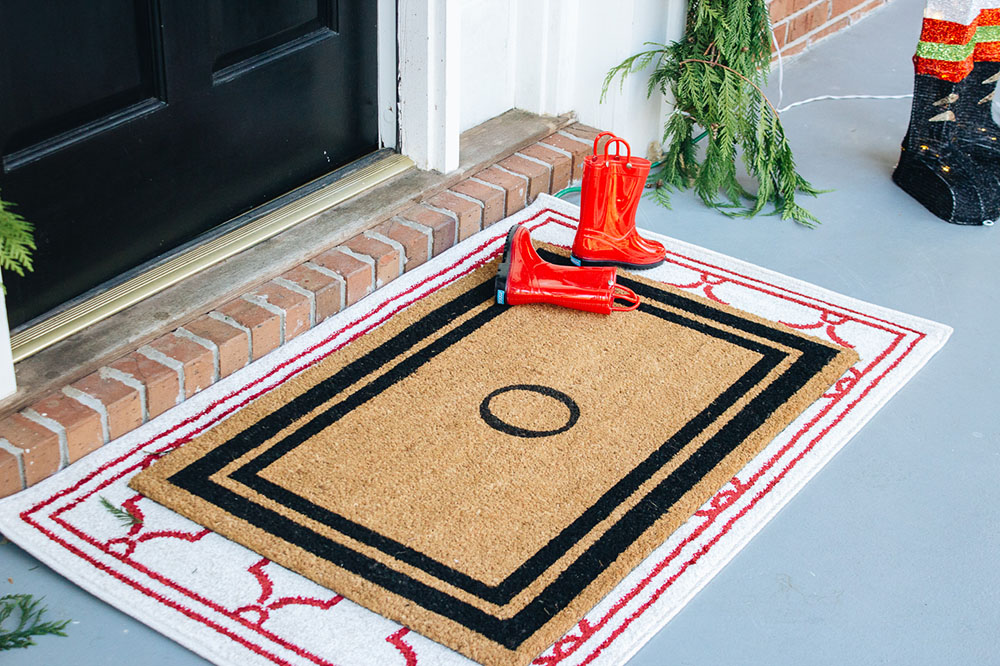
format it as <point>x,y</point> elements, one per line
<point>597,140</point>
<point>618,152</point>
<point>624,293</point>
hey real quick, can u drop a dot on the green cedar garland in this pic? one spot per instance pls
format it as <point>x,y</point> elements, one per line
<point>25,623</point>
<point>124,516</point>
<point>16,240</point>
<point>715,75</point>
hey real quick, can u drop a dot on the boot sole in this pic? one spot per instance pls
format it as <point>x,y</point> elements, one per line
<point>933,194</point>
<point>503,273</point>
<point>577,261</point>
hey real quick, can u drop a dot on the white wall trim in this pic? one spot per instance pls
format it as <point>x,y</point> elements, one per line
<point>388,128</point>
<point>429,82</point>
<point>7,382</point>
<point>545,52</point>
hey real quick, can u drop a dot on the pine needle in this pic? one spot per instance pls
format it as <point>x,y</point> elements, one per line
<point>127,518</point>
<point>27,613</point>
<point>716,75</point>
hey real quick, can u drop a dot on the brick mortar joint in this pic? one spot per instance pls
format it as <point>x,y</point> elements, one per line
<point>226,319</point>
<point>494,186</point>
<point>831,17</point>
<point>805,10</point>
<point>422,228</point>
<point>128,380</point>
<point>335,276</point>
<point>172,363</point>
<point>301,291</point>
<point>207,344</point>
<point>524,177</point>
<point>573,137</point>
<point>450,213</point>
<point>94,403</point>
<point>56,428</point>
<point>18,454</point>
<point>395,244</point>
<point>261,301</point>
<point>366,260</point>
<point>474,200</point>
<point>550,167</point>
<point>805,37</point>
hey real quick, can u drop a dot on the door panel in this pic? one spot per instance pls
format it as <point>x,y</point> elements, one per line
<point>244,40</point>
<point>172,117</point>
<point>117,72</point>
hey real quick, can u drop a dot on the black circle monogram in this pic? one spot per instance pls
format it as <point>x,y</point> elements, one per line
<point>494,422</point>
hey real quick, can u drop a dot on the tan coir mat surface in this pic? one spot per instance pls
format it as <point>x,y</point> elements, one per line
<point>486,474</point>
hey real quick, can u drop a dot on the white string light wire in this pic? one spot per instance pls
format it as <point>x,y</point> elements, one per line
<point>781,87</point>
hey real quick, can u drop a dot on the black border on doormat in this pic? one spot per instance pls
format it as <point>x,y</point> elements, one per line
<point>512,631</point>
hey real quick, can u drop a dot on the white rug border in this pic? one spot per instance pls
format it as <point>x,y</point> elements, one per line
<point>184,630</point>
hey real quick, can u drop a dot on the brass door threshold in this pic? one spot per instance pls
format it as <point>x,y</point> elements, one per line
<point>49,331</point>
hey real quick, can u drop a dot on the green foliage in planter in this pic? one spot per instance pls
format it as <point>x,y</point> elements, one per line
<point>21,621</point>
<point>715,75</point>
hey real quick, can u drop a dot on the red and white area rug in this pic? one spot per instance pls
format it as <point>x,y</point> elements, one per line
<point>234,607</point>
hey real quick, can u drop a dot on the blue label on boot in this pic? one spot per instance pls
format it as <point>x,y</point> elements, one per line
<point>500,297</point>
<point>575,261</point>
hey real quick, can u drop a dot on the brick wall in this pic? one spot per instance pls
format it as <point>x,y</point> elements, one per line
<point>798,24</point>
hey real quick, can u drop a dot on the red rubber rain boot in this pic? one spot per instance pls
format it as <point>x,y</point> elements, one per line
<point>524,277</point>
<point>609,197</point>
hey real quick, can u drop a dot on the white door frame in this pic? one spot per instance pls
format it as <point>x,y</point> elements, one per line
<point>429,82</point>
<point>8,383</point>
<point>388,128</point>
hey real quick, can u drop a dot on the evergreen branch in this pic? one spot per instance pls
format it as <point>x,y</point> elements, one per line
<point>29,622</point>
<point>127,518</point>
<point>661,195</point>
<point>719,64</point>
<point>16,240</point>
<point>631,65</point>
<point>731,40</point>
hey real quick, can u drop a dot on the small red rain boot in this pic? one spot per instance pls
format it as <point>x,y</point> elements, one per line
<point>609,197</point>
<point>524,277</point>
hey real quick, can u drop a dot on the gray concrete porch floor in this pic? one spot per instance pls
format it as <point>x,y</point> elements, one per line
<point>889,555</point>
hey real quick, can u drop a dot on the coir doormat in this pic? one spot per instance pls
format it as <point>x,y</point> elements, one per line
<point>485,474</point>
<point>551,461</point>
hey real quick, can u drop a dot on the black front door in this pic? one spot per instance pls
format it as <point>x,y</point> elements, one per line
<point>128,127</point>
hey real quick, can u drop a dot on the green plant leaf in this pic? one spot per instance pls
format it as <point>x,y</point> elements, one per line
<point>17,240</point>
<point>21,621</point>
